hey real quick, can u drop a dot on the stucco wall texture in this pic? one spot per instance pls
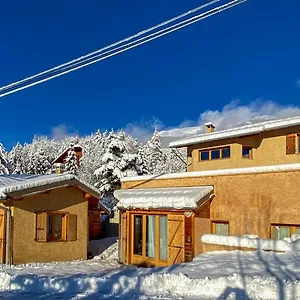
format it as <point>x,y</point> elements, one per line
<point>250,203</point>
<point>269,148</point>
<point>25,247</point>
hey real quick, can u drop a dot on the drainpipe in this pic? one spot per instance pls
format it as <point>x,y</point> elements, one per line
<point>7,234</point>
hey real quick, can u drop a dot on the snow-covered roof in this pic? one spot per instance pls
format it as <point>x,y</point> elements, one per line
<point>237,132</point>
<point>224,172</point>
<point>163,198</point>
<point>65,151</point>
<point>17,183</point>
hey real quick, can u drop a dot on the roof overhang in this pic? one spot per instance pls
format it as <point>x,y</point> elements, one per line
<point>237,132</point>
<point>179,198</point>
<point>42,184</point>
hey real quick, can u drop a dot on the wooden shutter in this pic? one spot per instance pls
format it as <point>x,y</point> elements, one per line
<point>290,144</point>
<point>41,227</point>
<point>175,239</point>
<point>72,228</point>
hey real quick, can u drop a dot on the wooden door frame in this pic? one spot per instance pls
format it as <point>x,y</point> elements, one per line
<point>143,259</point>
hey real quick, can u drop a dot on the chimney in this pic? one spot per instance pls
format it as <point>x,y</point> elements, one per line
<point>210,128</point>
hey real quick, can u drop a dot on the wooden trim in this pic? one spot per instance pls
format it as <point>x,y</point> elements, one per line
<point>157,242</point>
<point>144,242</point>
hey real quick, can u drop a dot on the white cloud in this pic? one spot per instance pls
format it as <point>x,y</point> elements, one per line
<point>232,115</point>
<point>62,131</point>
<point>143,130</point>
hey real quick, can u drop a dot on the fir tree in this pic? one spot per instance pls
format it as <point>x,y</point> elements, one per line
<point>71,164</point>
<point>4,163</point>
<point>16,159</point>
<point>39,163</point>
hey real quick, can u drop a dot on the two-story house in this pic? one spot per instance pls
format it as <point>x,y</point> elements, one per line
<point>240,181</point>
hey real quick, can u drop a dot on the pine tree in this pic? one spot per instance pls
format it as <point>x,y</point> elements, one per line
<point>71,164</point>
<point>153,155</point>
<point>39,163</point>
<point>120,160</point>
<point>4,163</point>
<point>16,159</point>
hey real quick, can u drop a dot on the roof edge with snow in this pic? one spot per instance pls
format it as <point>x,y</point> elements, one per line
<point>237,132</point>
<point>178,198</point>
<point>42,182</point>
<point>237,171</point>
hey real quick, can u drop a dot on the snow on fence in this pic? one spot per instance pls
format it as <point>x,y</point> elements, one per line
<point>246,242</point>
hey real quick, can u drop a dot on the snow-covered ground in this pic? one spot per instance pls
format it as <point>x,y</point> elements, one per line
<point>215,275</point>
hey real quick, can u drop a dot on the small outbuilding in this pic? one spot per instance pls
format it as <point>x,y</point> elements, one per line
<point>45,218</point>
<point>159,226</point>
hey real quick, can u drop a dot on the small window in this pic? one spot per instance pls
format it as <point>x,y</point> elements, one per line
<point>226,152</point>
<point>56,227</point>
<point>279,232</point>
<point>215,154</point>
<point>220,228</point>
<point>204,155</point>
<point>247,152</point>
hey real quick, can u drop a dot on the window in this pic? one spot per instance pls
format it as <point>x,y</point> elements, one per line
<point>247,152</point>
<point>150,233</point>
<point>138,235</point>
<point>204,155</point>
<point>279,232</point>
<point>214,153</point>
<point>56,227</point>
<point>220,228</point>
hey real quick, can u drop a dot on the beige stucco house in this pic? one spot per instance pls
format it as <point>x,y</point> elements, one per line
<point>45,218</point>
<point>244,181</point>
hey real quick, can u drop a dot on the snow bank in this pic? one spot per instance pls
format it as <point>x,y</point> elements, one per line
<point>216,275</point>
<point>246,242</point>
<point>104,249</point>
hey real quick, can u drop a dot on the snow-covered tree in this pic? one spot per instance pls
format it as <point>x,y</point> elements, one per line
<point>120,160</point>
<point>39,163</point>
<point>16,159</point>
<point>71,164</point>
<point>4,163</point>
<point>153,155</point>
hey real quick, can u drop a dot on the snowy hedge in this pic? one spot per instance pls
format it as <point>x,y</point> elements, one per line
<point>246,242</point>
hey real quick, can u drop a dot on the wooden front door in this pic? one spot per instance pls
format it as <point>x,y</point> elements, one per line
<point>175,239</point>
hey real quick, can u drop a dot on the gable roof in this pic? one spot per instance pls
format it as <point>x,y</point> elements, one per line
<point>237,132</point>
<point>24,184</point>
<point>65,152</point>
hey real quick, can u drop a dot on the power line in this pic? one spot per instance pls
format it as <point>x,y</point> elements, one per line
<point>88,56</point>
<point>98,56</point>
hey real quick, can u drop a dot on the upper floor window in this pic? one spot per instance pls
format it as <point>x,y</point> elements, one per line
<point>292,143</point>
<point>247,152</point>
<point>214,153</point>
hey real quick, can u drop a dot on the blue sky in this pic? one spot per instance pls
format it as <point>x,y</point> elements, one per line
<point>246,53</point>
